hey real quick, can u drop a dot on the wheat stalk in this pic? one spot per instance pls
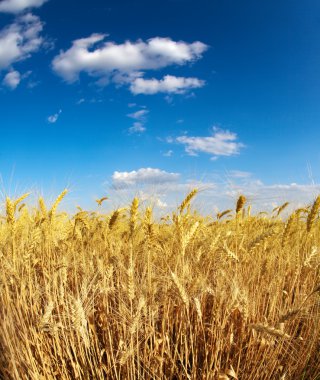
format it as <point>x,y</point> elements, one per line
<point>240,203</point>
<point>43,207</point>
<point>313,214</point>
<point>187,200</point>
<point>10,211</point>
<point>20,199</point>
<point>182,292</point>
<point>278,333</point>
<point>44,323</point>
<point>133,215</point>
<point>56,203</point>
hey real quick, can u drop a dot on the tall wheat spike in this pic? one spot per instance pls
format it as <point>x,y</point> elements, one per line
<point>10,211</point>
<point>240,203</point>
<point>148,225</point>
<point>113,219</point>
<point>185,203</point>
<point>19,200</point>
<point>313,214</point>
<point>133,214</point>
<point>56,203</point>
<point>42,207</point>
<point>182,292</point>
<point>282,208</point>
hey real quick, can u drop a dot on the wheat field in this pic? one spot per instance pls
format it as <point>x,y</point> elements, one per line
<point>127,296</point>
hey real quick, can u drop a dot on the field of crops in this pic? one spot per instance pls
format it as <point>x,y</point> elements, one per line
<point>127,296</point>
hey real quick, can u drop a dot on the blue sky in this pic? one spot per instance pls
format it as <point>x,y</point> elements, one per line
<point>155,97</point>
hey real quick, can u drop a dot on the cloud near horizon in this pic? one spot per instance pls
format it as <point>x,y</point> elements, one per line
<point>142,176</point>
<point>218,193</point>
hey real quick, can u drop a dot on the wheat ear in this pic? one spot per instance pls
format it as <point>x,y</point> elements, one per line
<point>187,200</point>
<point>313,214</point>
<point>56,203</point>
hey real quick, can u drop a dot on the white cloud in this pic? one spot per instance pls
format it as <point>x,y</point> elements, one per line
<point>217,190</point>
<point>137,127</point>
<point>169,153</point>
<point>152,199</point>
<point>169,84</point>
<point>80,101</point>
<point>125,63</point>
<point>139,124</point>
<point>20,39</point>
<point>221,143</point>
<point>16,6</point>
<point>143,176</point>
<point>265,197</point>
<point>12,79</point>
<point>239,174</point>
<point>54,118</point>
<point>138,115</point>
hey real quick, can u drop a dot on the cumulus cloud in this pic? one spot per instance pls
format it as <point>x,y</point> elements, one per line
<point>95,56</point>
<point>12,79</point>
<point>54,118</point>
<point>221,143</point>
<point>17,6</point>
<point>126,62</point>
<point>143,176</point>
<point>169,84</point>
<point>20,39</point>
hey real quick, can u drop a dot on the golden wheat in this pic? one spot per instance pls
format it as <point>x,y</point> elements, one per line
<point>124,296</point>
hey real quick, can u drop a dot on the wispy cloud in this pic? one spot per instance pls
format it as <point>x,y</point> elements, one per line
<point>168,153</point>
<point>139,115</point>
<point>152,199</point>
<point>239,174</point>
<point>80,101</point>
<point>54,118</point>
<point>17,6</point>
<point>137,127</point>
<point>140,118</point>
<point>221,143</point>
<point>20,39</point>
